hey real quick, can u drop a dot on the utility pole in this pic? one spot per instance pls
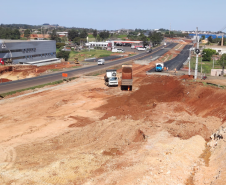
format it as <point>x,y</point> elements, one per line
<point>170,29</point>
<point>197,53</point>
<point>222,40</point>
<point>223,67</point>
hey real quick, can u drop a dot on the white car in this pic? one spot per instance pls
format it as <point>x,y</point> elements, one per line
<point>118,50</point>
<point>141,48</point>
<point>100,62</point>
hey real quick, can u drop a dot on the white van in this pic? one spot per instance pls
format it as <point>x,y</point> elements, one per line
<point>100,62</point>
<point>117,50</point>
<point>141,48</point>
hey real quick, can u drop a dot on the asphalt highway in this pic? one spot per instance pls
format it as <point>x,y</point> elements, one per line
<point>178,61</point>
<point>30,82</point>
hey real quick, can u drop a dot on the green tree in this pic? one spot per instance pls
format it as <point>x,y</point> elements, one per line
<point>155,37</point>
<point>98,38</point>
<point>83,34</point>
<point>143,38</point>
<point>72,34</point>
<point>27,33</point>
<point>63,54</point>
<point>104,34</point>
<point>95,34</point>
<point>208,53</point>
<point>210,39</point>
<point>222,62</point>
<point>203,37</point>
<point>16,34</point>
<point>54,36</point>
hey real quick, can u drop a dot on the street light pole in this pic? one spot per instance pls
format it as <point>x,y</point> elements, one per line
<point>223,67</point>
<point>201,65</point>
<point>197,56</point>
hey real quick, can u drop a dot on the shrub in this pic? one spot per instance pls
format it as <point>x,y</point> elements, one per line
<point>59,44</point>
<point>63,54</point>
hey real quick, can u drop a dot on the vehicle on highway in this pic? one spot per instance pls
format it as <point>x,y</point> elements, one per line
<point>110,78</point>
<point>141,48</point>
<point>159,67</point>
<point>117,50</point>
<point>100,62</point>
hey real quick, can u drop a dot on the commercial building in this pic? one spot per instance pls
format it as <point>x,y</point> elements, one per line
<point>34,52</point>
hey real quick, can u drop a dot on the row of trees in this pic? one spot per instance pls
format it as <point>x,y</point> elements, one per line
<point>216,40</point>
<point>76,36</point>
<point>154,37</point>
<point>8,33</point>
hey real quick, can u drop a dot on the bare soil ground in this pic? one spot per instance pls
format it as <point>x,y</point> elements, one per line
<point>83,132</point>
<point>20,71</point>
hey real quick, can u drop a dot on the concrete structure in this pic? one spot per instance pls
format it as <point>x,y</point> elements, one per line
<point>220,49</point>
<point>27,51</point>
<point>217,72</point>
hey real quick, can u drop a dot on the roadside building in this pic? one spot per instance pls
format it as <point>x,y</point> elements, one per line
<point>62,34</point>
<point>219,49</point>
<point>33,52</point>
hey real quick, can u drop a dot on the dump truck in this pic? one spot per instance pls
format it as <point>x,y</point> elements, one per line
<point>110,78</point>
<point>127,77</point>
<point>159,67</point>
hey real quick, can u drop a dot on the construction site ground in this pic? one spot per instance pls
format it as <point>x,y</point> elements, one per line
<point>167,130</point>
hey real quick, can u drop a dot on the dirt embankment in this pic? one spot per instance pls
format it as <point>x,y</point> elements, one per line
<point>26,71</point>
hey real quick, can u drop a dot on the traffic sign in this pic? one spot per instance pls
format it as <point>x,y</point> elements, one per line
<point>64,75</point>
<point>197,51</point>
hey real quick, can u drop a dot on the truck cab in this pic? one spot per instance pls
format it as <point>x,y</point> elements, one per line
<point>159,67</point>
<point>113,81</point>
<point>111,78</point>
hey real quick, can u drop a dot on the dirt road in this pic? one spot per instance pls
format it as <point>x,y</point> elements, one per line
<point>83,132</point>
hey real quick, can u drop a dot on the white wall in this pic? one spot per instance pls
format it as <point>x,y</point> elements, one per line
<point>216,72</point>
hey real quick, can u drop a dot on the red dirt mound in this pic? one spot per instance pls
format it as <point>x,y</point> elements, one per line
<point>189,77</point>
<point>157,89</point>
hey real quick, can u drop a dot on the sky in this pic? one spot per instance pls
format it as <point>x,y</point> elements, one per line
<point>207,15</point>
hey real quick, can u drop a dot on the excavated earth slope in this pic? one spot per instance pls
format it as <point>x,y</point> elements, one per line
<point>83,132</point>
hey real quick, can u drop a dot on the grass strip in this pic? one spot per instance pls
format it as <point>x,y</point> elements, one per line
<point>3,95</point>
